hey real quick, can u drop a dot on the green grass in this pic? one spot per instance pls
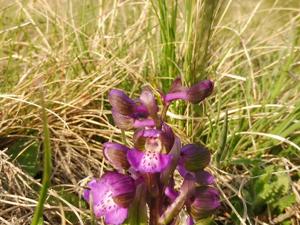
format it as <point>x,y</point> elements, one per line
<point>81,49</point>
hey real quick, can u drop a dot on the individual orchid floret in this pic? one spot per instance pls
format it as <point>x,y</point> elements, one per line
<point>165,135</point>
<point>194,157</point>
<point>194,94</point>
<point>111,196</point>
<point>149,156</point>
<point>203,202</point>
<point>127,113</point>
<point>116,154</point>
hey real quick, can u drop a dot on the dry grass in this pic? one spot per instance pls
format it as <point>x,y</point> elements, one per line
<point>78,50</point>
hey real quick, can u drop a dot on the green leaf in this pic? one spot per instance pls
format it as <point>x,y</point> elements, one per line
<point>206,221</point>
<point>284,202</point>
<point>25,152</point>
<point>138,210</point>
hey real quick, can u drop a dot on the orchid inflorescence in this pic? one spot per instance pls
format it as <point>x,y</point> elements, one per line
<point>143,176</point>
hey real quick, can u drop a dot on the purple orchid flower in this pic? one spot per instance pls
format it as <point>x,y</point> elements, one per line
<point>127,113</point>
<point>111,196</point>
<point>151,159</point>
<point>194,94</point>
<point>146,172</point>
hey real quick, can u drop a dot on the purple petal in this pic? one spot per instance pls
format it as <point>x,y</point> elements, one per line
<point>190,221</point>
<point>97,188</point>
<point>86,195</point>
<point>105,205</point>
<point>205,201</point>
<point>200,177</point>
<point>200,91</point>
<point>143,123</point>
<point>167,137</point>
<point>204,178</point>
<point>116,217</point>
<point>177,86</point>
<point>122,121</point>
<point>175,96</point>
<point>140,111</point>
<point>148,162</point>
<point>175,153</point>
<point>116,154</point>
<point>110,193</point>
<point>170,192</point>
<point>148,99</point>
<point>121,102</point>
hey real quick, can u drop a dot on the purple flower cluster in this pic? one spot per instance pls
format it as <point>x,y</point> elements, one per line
<point>150,164</point>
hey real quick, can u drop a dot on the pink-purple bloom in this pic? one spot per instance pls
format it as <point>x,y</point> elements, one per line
<point>145,170</point>
<point>111,196</point>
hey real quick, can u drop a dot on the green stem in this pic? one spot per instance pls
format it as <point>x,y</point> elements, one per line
<point>124,137</point>
<point>174,209</point>
<point>47,166</point>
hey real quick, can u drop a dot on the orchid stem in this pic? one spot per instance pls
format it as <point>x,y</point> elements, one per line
<point>47,166</point>
<point>124,140</point>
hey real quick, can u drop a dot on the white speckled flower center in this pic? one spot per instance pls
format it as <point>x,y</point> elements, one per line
<point>153,145</point>
<point>107,203</point>
<point>150,160</point>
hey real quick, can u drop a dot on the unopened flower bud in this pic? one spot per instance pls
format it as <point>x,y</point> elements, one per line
<point>199,91</point>
<point>194,157</point>
<point>111,196</point>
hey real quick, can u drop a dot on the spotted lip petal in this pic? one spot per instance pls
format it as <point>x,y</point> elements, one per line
<point>204,202</point>
<point>194,157</point>
<point>111,196</point>
<point>116,154</point>
<point>148,162</point>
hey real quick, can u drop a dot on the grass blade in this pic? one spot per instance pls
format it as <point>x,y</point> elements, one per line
<point>47,166</point>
